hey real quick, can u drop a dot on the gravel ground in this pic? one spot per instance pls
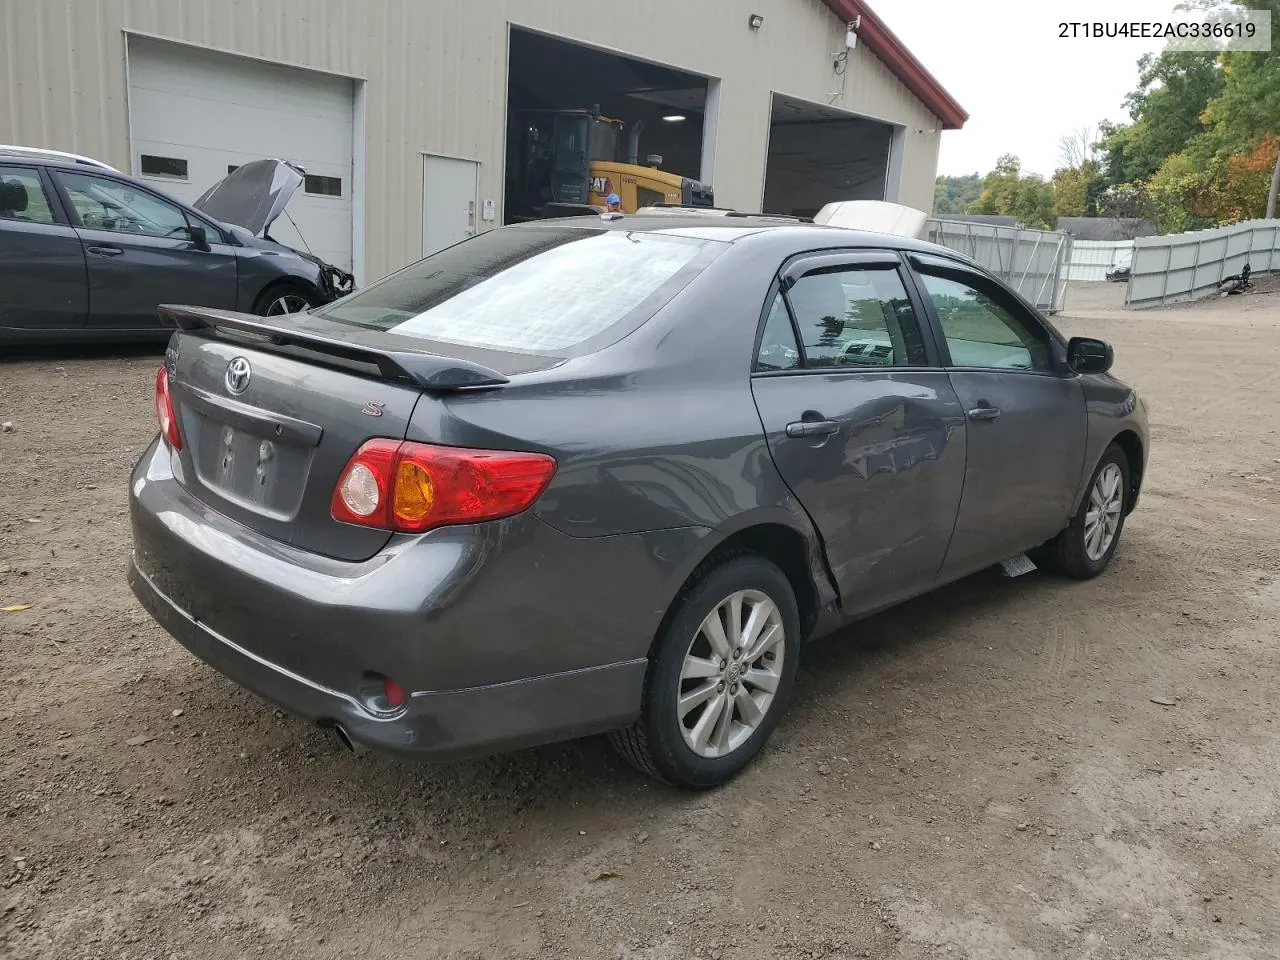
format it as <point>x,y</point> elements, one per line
<point>1004,769</point>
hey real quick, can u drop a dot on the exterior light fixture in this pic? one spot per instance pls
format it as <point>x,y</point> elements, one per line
<point>755,21</point>
<point>674,117</point>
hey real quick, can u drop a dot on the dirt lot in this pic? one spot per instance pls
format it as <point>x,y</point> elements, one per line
<point>982,773</point>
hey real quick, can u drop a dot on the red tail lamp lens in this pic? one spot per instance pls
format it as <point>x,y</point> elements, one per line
<point>165,418</point>
<point>413,487</point>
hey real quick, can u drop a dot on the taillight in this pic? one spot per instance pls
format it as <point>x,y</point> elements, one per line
<point>412,487</point>
<point>164,411</point>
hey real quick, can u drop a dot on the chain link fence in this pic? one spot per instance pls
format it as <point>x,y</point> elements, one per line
<point>1033,262</point>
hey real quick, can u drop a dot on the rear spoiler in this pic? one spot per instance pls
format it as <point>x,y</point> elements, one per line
<point>427,371</point>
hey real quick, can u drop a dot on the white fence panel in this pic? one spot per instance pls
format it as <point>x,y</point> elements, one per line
<point>1188,266</point>
<point>1091,259</point>
<point>1033,262</point>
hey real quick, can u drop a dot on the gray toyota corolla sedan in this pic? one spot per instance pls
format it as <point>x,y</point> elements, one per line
<point>611,475</point>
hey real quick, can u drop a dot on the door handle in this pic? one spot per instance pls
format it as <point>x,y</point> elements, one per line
<point>983,411</point>
<point>812,428</point>
<point>106,251</point>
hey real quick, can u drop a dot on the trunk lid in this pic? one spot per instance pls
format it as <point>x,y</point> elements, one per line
<point>271,412</point>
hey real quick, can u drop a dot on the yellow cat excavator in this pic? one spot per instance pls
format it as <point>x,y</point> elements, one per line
<point>571,160</point>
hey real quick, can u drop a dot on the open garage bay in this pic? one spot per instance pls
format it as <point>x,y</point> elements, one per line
<point>817,153</point>
<point>662,114</point>
<point>1029,768</point>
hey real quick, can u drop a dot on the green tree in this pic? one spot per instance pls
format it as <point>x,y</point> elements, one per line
<point>1126,200</point>
<point>1167,111</point>
<point>1201,147</point>
<point>1181,195</point>
<point>1073,193</point>
<point>999,188</point>
<point>1007,192</point>
<point>1034,205</point>
<point>954,194</point>
<point>1247,106</point>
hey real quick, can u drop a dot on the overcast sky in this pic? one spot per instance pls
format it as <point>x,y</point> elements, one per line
<point>1023,86</point>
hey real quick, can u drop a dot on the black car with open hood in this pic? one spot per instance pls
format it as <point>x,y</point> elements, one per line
<point>253,196</point>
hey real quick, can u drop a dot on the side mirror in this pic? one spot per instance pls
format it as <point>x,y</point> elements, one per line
<point>1086,355</point>
<point>199,237</point>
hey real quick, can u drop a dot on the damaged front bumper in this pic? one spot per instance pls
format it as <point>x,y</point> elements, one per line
<point>335,282</point>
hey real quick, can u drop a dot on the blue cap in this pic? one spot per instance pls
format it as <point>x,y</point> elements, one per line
<point>613,198</point>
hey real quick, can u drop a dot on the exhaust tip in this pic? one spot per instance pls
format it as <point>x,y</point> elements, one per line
<point>344,737</point>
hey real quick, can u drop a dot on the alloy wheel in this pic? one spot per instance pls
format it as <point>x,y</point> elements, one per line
<point>289,303</point>
<point>1102,519</point>
<point>731,673</point>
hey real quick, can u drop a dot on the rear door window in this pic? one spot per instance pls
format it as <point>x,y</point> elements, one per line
<point>856,316</point>
<point>779,349</point>
<point>546,290</point>
<point>22,196</point>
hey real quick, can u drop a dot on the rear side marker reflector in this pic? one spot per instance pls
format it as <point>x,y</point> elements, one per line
<point>393,692</point>
<point>413,487</point>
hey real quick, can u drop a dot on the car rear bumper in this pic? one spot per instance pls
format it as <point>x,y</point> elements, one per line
<point>490,660</point>
<point>436,724</point>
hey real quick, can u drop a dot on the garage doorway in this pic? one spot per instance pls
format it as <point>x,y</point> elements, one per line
<point>196,114</point>
<point>663,114</point>
<point>449,187</point>
<point>818,155</point>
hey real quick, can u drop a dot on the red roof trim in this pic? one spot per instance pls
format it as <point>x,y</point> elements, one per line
<point>881,41</point>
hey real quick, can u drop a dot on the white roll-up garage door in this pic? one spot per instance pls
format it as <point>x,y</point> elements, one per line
<point>195,114</point>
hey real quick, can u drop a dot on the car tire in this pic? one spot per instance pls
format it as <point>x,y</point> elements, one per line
<point>699,748</point>
<point>293,295</point>
<point>1080,551</point>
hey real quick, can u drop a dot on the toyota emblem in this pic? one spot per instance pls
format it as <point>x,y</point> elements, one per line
<point>238,374</point>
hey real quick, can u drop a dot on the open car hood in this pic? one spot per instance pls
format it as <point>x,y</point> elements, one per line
<point>253,195</point>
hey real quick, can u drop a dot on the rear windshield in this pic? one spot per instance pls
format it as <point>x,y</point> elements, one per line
<point>546,290</point>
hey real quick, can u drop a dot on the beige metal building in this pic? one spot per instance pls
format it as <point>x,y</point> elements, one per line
<point>407,114</point>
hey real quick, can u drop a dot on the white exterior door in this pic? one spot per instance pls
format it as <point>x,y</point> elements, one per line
<point>194,114</point>
<point>448,202</point>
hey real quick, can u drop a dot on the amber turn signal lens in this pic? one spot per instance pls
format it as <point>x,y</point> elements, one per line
<point>414,492</point>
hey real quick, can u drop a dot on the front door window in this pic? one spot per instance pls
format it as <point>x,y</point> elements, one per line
<point>102,204</point>
<point>982,332</point>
